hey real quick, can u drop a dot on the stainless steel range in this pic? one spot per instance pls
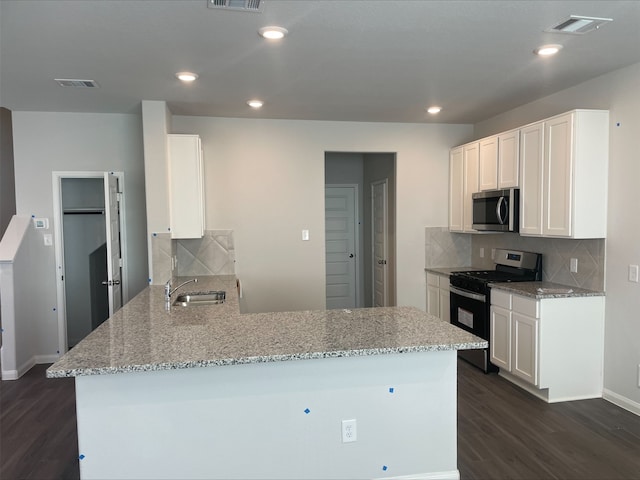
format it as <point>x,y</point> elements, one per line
<point>470,296</point>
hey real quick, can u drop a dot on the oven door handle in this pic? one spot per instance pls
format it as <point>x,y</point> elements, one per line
<point>464,293</point>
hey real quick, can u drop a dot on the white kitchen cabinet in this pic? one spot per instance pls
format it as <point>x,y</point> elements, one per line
<point>438,296</point>
<point>531,156</point>
<point>552,347</point>
<point>509,159</point>
<point>471,154</point>
<point>456,189</point>
<point>499,161</point>
<point>488,164</point>
<point>569,199</point>
<point>464,164</point>
<point>186,186</point>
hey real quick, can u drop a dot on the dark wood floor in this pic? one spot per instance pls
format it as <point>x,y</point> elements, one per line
<point>503,432</point>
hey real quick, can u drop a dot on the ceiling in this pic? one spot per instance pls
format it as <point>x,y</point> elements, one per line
<point>343,60</point>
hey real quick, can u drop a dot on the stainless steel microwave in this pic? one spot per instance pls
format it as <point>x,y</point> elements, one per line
<point>496,210</point>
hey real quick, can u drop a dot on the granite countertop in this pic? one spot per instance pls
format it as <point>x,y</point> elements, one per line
<point>450,270</point>
<point>541,290</point>
<point>144,336</point>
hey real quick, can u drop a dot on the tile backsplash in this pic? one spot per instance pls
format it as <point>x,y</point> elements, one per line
<point>213,254</point>
<point>446,249</point>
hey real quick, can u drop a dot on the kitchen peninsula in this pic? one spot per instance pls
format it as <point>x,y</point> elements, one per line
<point>207,392</point>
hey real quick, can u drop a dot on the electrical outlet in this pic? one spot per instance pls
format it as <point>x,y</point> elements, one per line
<point>573,265</point>
<point>638,375</point>
<point>633,273</point>
<point>349,432</point>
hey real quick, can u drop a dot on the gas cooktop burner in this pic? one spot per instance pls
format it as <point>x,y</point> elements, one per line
<point>498,276</point>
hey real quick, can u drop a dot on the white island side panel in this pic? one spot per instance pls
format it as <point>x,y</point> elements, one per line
<point>273,420</point>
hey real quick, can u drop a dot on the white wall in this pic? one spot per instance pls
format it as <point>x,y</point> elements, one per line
<point>619,92</point>
<point>45,142</point>
<point>22,255</point>
<point>264,179</point>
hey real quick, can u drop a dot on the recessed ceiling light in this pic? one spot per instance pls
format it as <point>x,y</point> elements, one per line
<point>433,110</point>
<point>273,33</point>
<point>255,103</point>
<point>547,50</point>
<point>187,76</point>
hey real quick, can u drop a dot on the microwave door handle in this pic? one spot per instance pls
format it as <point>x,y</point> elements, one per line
<point>501,219</point>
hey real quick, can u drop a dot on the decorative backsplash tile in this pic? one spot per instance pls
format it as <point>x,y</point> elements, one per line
<point>446,249</point>
<point>213,254</point>
<point>556,256</point>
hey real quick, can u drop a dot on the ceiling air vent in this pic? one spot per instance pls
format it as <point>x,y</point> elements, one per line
<point>74,82</point>
<point>578,25</point>
<point>238,5</point>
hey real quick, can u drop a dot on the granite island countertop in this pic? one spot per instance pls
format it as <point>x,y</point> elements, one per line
<point>542,290</point>
<point>144,336</point>
<point>447,271</point>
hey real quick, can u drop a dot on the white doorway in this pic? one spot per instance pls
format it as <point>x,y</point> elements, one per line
<point>379,242</point>
<point>89,234</point>
<point>341,246</point>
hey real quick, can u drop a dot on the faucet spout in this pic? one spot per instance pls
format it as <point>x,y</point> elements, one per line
<point>168,291</point>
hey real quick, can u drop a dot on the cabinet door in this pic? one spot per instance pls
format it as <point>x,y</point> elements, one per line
<point>500,333</point>
<point>456,189</point>
<point>509,159</point>
<point>558,181</point>
<point>445,301</point>
<point>488,170</point>
<point>471,167</point>
<point>524,343</point>
<point>433,300</point>
<point>531,163</point>
<point>186,193</point>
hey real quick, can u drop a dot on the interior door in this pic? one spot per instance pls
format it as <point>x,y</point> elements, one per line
<point>380,242</point>
<point>112,217</point>
<point>340,244</point>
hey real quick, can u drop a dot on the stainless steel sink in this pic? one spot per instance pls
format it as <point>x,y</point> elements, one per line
<point>213,297</point>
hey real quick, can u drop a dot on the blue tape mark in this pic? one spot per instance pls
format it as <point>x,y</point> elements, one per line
<point>307,411</point>
<point>149,280</point>
<point>33,216</point>
<point>384,467</point>
<point>391,389</point>
<point>58,351</point>
<point>618,124</point>
<point>155,234</point>
<point>54,309</point>
<point>1,330</point>
<point>80,457</point>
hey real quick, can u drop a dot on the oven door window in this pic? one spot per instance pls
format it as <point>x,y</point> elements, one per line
<point>469,314</point>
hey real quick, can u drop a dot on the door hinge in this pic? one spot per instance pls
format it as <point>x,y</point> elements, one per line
<point>119,196</point>
<point>120,263</point>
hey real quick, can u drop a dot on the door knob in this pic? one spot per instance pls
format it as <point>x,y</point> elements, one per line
<point>110,283</point>
<point>351,255</point>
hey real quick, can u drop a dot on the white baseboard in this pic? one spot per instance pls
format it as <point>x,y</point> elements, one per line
<point>28,365</point>
<point>622,402</point>
<point>450,475</point>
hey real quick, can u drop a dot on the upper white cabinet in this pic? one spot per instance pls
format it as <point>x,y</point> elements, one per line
<point>186,186</point>
<point>564,164</point>
<point>509,159</point>
<point>471,153</point>
<point>531,153</point>
<point>464,170</point>
<point>456,189</point>
<point>499,161</point>
<point>488,172</point>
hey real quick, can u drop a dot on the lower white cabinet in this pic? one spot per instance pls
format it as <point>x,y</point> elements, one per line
<point>552,347</point>
<point>438,296</point>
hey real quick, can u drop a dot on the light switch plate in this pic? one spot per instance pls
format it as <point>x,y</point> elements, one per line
<point>633,273</point>
<point>305,235</point>
<point>573,265</point>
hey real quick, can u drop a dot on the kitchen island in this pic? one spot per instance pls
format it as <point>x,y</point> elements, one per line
<point>207,392</point>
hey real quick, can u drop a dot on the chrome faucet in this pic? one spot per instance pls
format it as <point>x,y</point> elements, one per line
<point>168,292</point>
